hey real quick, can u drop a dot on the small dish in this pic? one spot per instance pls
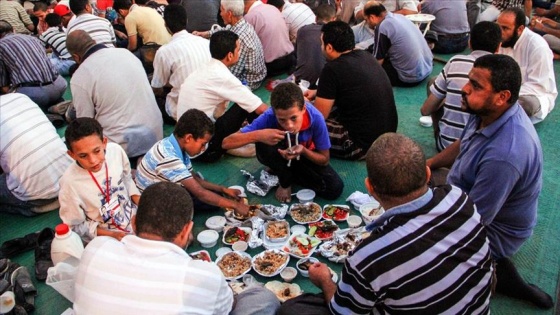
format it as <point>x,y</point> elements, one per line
<point>371,211</point>
<point>336,212</point>
<point>305,195</point>
<point>216,223</point>
<point>303,265</point>
<point>239,246</point>
<point>298,229</point>
<point>270,262</point>
<point>207,238</point>
<point>234,234</point>
<point>425,121</point>
<point>354,221</point>
<point>234,264</point>
<point>288,274</point>
<point>222,251</point>
<point>304,213</point>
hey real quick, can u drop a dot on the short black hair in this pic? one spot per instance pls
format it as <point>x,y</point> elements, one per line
<point>276,3</point>
<point>519,14</point>
<point>285,96</point>
<point>324,12</point>
<point>80,128</point>
<point>222,43</point>
<point>53,19</point>
<point>339,34</point>
<point>40,6</point>
<point>194,122</point>
<point>175,17</point>
<point>5,28</point>
<point>141,2</point>
<point>78,6</point>
<point>396,166</point>
<point>486,36</point>
<point>505,74</point>
<point>164,210</point>
<point>121,5</point>
<point>374,8</point>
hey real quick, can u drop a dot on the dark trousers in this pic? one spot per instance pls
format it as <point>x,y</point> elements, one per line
<point>230,122</point>
<point>305,304</point>
<point>322,179</point>
<point>281,65</point>
<point>394,76</point>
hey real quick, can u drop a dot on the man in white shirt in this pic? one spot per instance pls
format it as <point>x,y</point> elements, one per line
<point>212,87</point>
<point>150,272</point>
<point>175,60</point>
<point>538,88</point>
<point>295,14</point>
<point>404,7</point>
<point>33,157</point>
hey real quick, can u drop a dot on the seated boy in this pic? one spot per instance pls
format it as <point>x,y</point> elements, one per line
<point>292,139</point>
<point>97,194</point>
<point>170,160</point>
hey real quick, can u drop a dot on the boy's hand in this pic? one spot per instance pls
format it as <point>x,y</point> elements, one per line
<point>271,136</point>
<point>292,152</point>
<point>232,193</point>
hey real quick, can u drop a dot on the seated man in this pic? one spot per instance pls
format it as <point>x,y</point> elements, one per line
<point>551,31</point>
<point>492,12</point>
<point>201,14</point>
<point>251,66</point>
<point>212,87</point>
<point>427,254</point>
<point>26,69</point>
<point>399,46</point>
<point>97,193</point>
<point>54,39</point>
<point>445,97</point>
<point>169,160</point>
<point>14,14</point>
<point>451,25</point>
<point>176,60</point>
<point>310,58</point>
<point>273,33</point>
<point>150,272</point>
<point>538,91</point>
<point>111,86</point>
<point>499,145</point>
<point>303,160</point>
<point>142,23</point>
<point>32,157</point>
<point>404,7</point>
<point>40,11</point>
<point>296,15</point>
<point>100,29</point>
<point>354,94</point>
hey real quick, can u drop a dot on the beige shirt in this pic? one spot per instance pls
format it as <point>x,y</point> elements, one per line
<point>148,24</point>
<point>13,13</point>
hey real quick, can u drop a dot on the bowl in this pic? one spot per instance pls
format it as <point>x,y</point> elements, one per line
<point>288,274</point>
<point>216,223</point>
<point>367,208</point>
<point>222,251</point>
<point>298,229</point>
<point>305,195</point>
<point>354,221</point>
<point>207,238</point>
<point>305,272</point>
<point>425,121</point>
<point>239,246</point>
<point>240,188</point>
<point>276,226</point>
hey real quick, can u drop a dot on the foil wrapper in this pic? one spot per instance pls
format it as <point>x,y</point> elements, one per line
<point>261,186</point>
<point>274,212</point>
<point>336,250</point>
<point>257,224</point>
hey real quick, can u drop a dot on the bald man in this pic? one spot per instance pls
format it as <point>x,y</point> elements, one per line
<point>119,97</point>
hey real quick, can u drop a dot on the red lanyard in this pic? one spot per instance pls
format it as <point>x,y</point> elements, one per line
<point>107,193</point>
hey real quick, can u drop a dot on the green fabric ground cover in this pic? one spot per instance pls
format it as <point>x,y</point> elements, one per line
<point>538,260</point>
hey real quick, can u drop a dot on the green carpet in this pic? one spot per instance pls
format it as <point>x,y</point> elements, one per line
<point>538,260</point>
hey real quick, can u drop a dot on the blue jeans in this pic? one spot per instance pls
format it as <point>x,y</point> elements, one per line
<point>11,204</point>
<point>451,45</point>
<point>62,65</point>
<point>45,95</point>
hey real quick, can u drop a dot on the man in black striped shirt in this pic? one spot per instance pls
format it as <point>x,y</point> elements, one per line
<point>427,254</point>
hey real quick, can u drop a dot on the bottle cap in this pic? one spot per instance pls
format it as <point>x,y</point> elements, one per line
<point>61,229</point>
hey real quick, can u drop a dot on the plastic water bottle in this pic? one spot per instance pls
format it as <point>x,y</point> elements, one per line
<point>66,243</point>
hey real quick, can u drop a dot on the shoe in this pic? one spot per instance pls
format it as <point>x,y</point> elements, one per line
<point>24,289</point>
<point>4,286</point>
<point>4,264</point>
<point>70,115</point>
<point>12,266</point>
<point>56,120</point>
<point>43,259</point>
<point>12,248</point>
<point>60,108</point>
<point>18,310</point>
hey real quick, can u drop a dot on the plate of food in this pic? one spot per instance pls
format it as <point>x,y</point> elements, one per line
<point>336,212</point>
<point>201,255</point>
<point>283,291</point>
<point>276,231</point>
<point>304,213</point>
<point>301,245</point>
<point>234,264</point>
<point>270,262</point>
<point>323,230</point>
<point>234,234</point>
<point>343,242</point>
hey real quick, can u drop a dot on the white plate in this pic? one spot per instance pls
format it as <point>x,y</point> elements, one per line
<point>243,254</point>
<point>245,229</point>
<point>306,204</point>
<point>277,240</point>
<point>293,250</point>
<point>277,271</point>
<point>421,18</point>
<point>279,288</point>
<point>325,216</point>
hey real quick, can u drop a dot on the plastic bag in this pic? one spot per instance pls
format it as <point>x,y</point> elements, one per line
<point>62,277</point>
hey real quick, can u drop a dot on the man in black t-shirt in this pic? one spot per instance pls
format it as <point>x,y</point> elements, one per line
<point>354,94</point>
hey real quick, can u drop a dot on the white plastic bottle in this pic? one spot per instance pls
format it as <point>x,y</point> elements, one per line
<point>66,243</point>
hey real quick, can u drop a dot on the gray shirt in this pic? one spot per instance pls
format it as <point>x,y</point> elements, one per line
<point>451,18</point>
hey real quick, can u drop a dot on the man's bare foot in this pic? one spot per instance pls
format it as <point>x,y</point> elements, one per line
<point>284,194</point>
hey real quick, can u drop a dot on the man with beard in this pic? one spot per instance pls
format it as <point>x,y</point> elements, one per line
<point>499,145</point>
<point>538,91</point>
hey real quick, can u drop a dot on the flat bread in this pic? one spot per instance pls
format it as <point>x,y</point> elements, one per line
<point>284,291</point>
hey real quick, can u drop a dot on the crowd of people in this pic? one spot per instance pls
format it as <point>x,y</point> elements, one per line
<point>449,232</point>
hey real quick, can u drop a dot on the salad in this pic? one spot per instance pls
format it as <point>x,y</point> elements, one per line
<point>301,245</point>
<point>235,234</point>
<point>336,212</point>
<point>323,230</point>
